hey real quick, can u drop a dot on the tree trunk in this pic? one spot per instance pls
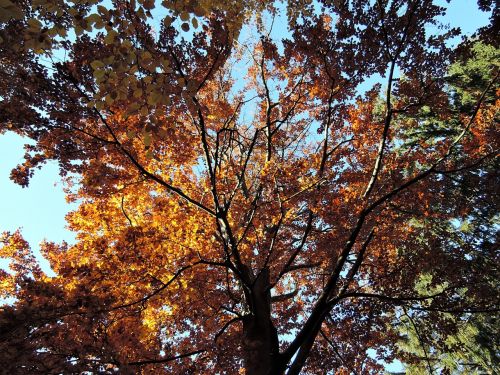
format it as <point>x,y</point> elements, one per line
<point>260,337</point>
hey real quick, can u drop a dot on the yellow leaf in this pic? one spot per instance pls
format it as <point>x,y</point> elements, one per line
<point>199,11</point>
<point>102,9</point>
<point>94,18</point>
<point>34,24</point>
<point>110,37</point>
<point>9,10</point>
<point>146,55</point>
<point>167,21</point>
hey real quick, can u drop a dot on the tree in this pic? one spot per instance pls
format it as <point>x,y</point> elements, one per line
<point>241,206</point>
<point>471,347</point>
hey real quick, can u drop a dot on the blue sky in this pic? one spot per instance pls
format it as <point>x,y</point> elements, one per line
<point>38,210</point>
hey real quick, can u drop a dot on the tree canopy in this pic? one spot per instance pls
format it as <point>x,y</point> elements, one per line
<point>314,198</point>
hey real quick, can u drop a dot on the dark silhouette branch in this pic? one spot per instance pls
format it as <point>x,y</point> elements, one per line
<point>166,359</point>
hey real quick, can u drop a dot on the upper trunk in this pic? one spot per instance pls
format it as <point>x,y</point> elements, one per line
<point>260,337</point>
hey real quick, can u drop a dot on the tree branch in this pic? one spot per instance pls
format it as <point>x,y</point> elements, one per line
<point>165,359</point>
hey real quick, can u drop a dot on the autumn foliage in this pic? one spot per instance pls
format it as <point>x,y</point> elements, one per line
<point>320,198</point>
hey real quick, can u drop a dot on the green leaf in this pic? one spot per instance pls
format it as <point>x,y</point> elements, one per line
<point>137,93</point>
<point>97,64</point>
<point>147,139</point>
